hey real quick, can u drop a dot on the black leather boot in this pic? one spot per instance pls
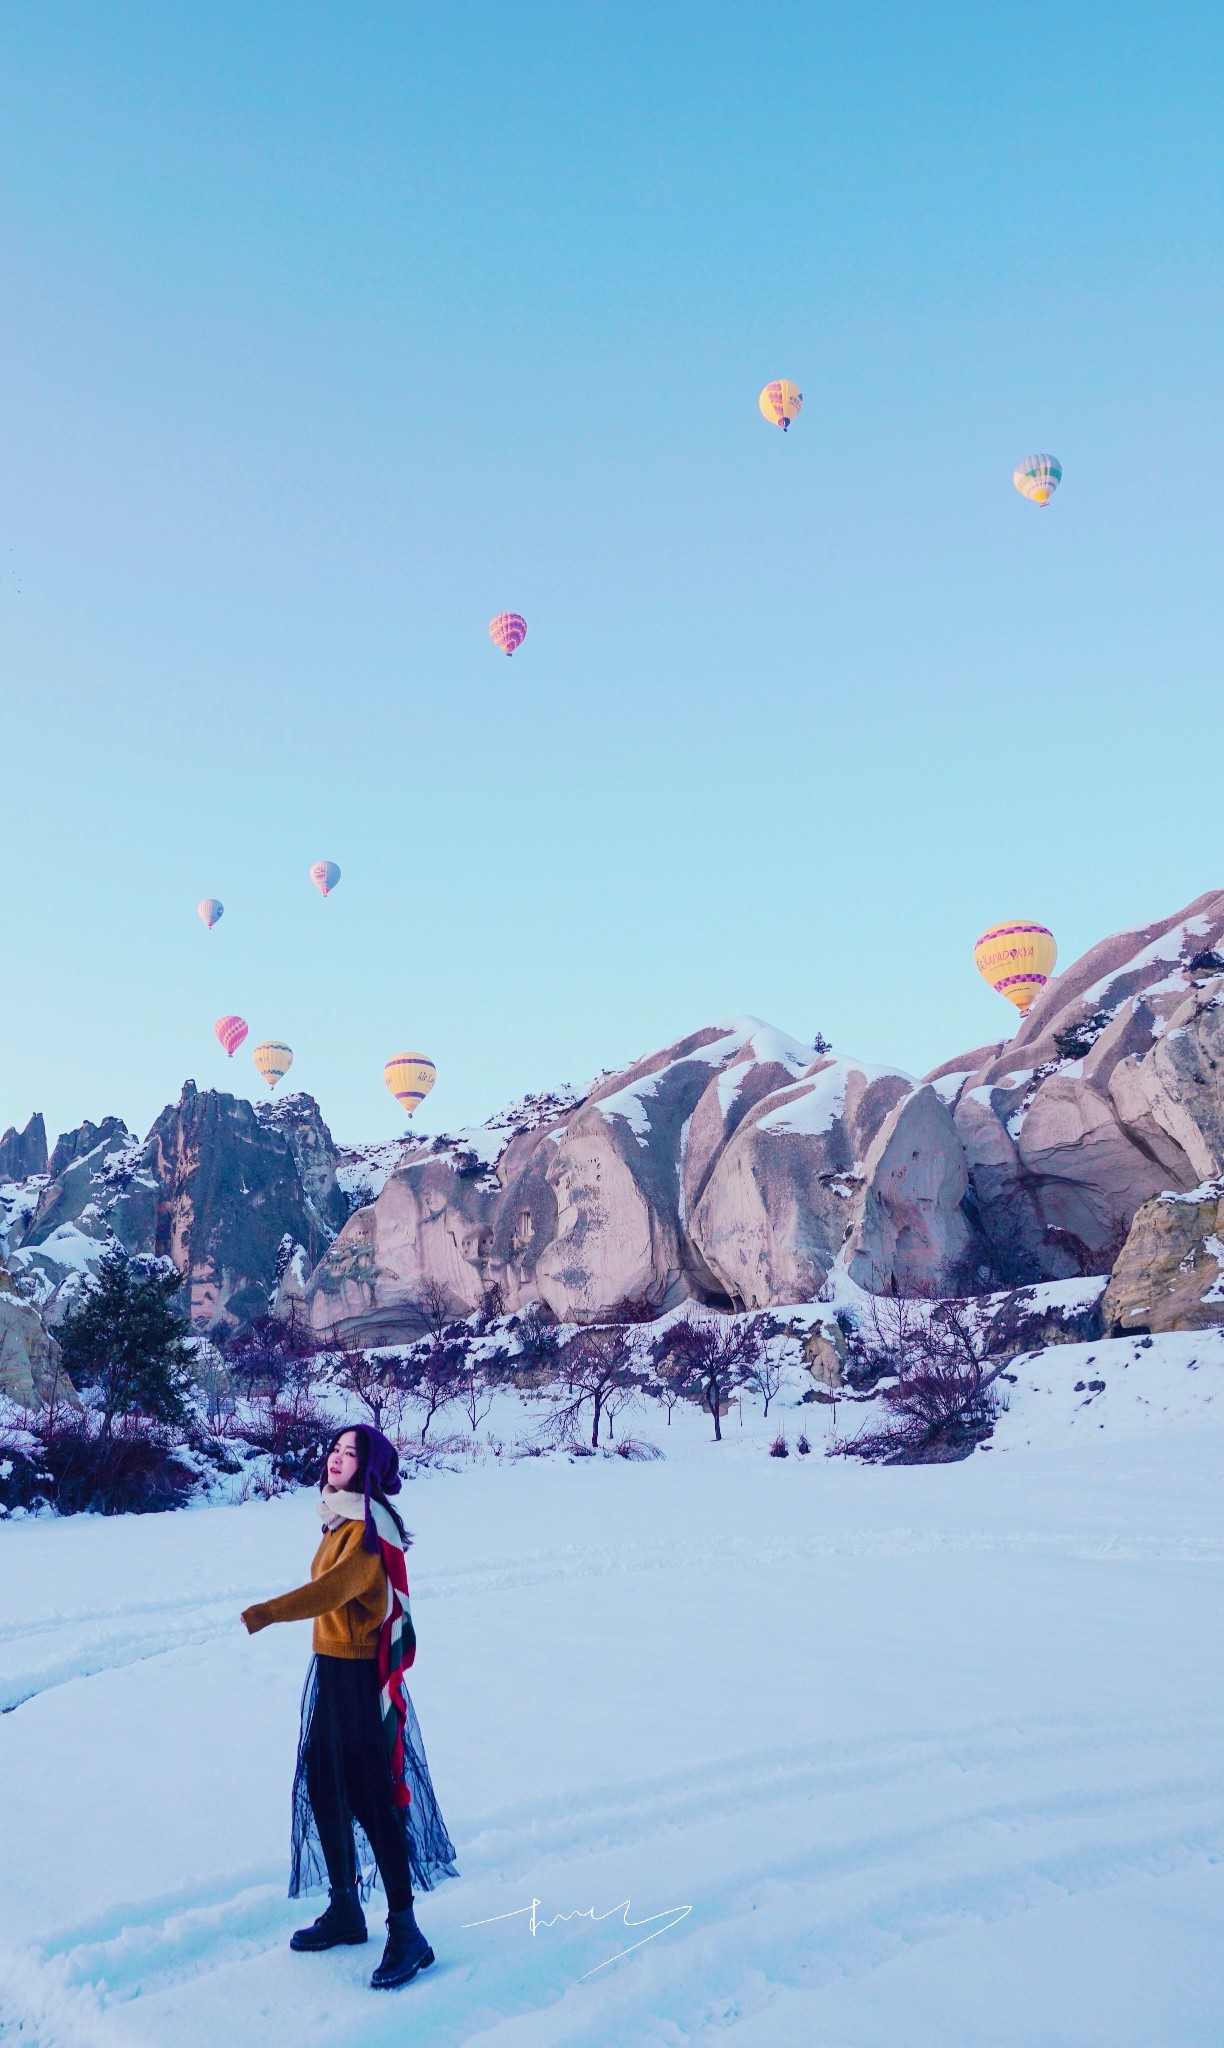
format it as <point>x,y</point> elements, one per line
<point>407,1951</point>
<point>342,1921</point>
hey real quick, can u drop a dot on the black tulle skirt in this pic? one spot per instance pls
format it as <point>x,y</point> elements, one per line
<point>347,1828</point>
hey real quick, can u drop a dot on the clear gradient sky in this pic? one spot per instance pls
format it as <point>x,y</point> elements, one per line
<point>330,331</point>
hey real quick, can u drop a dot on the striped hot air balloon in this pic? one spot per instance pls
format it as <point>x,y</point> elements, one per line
<point>508,631</point>
<point>231,1031</point>
<point>273,1060</point>
<point>410,1076</point>
<point>1038,477</point>
<point>325,874</point>
<point>1017,959</point>
<point>781,402</point>
<point>210,910</point>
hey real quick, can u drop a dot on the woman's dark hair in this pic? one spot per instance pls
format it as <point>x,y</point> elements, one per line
<point>377,1473</point>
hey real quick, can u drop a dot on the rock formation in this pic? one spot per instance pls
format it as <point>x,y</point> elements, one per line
<point>1105,1097</point>
<point>725,1169</point>
<point>217,1187</point>
<point>28,1356</point>
<point>914,1234</point>
<point>787,1186</point>
<point>735,1167</point>
<point>1170,1272</point>
<point>23,1153</point>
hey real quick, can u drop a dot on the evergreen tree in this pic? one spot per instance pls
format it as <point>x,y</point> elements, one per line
<point>128,1339</point>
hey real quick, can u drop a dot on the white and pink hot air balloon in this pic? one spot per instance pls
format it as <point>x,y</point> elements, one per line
<point>325,874</point>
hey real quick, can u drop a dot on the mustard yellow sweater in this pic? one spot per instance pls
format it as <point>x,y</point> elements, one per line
<point>347,1597</point>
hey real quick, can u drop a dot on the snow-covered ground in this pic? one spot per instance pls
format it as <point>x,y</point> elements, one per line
<point>879,1758</point>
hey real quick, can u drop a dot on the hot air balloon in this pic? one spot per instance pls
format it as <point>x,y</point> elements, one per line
<point>231,1031</point>
<point>210,910</point>
<point>508,631</point>
<point>1038,477</point>
<point>1017,959</point>
<point>325,874</point>
<point>410,1076</point>
<point>273,1060</point>
<point>781,402</point>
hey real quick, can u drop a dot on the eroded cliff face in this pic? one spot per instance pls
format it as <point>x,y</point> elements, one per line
<point>786,1189</point>
<point>735,1166</point>
<point>724,1168</point>
<point>1109,1093</point>
<point>217,1187</point>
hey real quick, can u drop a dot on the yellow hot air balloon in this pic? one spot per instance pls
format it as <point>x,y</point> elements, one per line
<point>1017,959</point>
<point>781,402</point>
<point>410,1076</point>
<point>273,1060</point>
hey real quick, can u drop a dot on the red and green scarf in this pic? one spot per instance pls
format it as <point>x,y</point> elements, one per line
<point>396,1635</point>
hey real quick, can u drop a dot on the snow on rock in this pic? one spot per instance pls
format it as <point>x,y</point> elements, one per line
<point>215,1187</point>
<point>1169,1274</point>
<point>579,1201</point>
<point>1106,1097</point>
<point>787,1184</point>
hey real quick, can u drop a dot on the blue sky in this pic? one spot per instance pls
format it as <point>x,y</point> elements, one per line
<point>330,332</point>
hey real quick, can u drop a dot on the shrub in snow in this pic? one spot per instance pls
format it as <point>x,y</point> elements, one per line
<point>635,1448</point>
<point>778,1448</point>
<point>25,1482</point>
<point>803,1447</point>
<point>633,1308</point>
<point>941,1401</point>
<point>291,1428</point>
<point>128,1468</point>
<point>1074,1040</point>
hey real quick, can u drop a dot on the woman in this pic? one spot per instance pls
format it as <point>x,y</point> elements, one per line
<point>360,1757</point>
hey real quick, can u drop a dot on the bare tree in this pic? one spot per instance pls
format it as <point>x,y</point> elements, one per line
<point>370,1376</point>
<point>712,1358</point>
<point>669,1377</point>
<point>474,1389</point>
<point>261,1354</point>
<point>433,1378</point>
<point>599,1369</point>
<point>764,1373</point>
<point>434,1308</point>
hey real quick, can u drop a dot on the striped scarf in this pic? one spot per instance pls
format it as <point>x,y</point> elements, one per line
<point>396,1635</point>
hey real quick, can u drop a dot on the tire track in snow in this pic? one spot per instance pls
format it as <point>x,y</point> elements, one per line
<point>988,1854</point>
<point>111,1641</point>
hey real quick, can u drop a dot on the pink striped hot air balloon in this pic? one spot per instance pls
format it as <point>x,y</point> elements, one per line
<point>231,1031</point>
<point>508,631</point>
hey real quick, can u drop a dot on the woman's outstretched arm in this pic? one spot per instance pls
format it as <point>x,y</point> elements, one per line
<point>354,1575</point>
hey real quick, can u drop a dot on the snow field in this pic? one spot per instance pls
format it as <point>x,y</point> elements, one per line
<point>930,1755</point>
